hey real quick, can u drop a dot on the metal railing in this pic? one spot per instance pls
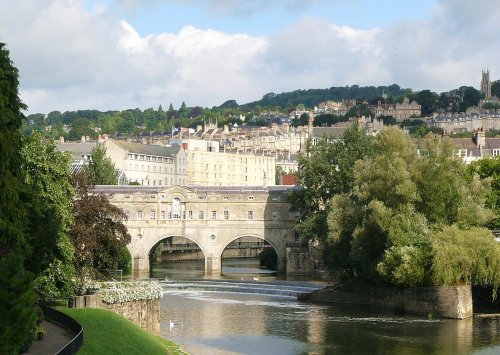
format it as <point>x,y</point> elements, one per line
<point>68,323</point>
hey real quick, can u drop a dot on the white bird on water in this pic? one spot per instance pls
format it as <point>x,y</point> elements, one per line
<point>256,278</point>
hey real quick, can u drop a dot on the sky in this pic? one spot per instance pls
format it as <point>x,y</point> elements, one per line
<point>122,54</point>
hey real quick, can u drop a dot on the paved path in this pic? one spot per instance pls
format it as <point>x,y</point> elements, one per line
<point>54,340</point>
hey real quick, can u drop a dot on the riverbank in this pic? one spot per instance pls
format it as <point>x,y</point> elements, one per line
<point>442,302</point>
<point>106,332</point>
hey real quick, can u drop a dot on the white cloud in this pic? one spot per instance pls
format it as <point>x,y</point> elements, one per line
<point>71,58</point>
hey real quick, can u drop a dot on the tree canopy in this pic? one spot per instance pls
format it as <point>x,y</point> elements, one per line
<point>394,225</point>
<point>101,170</point>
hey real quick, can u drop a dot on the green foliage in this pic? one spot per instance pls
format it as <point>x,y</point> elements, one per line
<point>98,233</point>
<point>16,306</point>
<point>488,169</point>
<point>469,256</point>
<point>268,259</point>
<point>16,292</point>
<point>327,171</point>
<point>100,169</point>
<point>125,260</point>
<point>386,226</point>
<point>50,196</point>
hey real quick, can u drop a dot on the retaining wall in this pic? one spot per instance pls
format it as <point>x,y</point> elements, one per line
<point>445,302</point>
<point>144,313</point>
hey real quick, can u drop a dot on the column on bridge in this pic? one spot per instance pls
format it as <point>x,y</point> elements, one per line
<point>213,265</point>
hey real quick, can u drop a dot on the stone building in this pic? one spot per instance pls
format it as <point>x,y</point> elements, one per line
<point>149,165</point>
<point>486,84</point>
<point>399,111</point>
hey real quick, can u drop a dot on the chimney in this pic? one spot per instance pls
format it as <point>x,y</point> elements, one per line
<point>480,138</point>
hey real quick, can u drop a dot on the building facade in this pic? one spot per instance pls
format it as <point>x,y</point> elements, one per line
<point>149,165</point>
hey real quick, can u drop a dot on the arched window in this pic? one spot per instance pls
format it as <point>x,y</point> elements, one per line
<point>177,210</point>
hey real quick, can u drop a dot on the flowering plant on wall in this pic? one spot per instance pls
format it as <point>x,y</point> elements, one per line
<point>117,292</point>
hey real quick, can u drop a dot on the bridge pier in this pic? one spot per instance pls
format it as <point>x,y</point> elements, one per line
<point>140,266</point>
<point>213,265</point>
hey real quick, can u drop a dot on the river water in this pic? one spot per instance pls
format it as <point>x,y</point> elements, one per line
<point>239,315</point>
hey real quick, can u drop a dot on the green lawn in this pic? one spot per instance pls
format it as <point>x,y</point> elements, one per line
<point>105,332</point>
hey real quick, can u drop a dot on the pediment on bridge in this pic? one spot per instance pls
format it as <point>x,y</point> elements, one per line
<point>176,191</point>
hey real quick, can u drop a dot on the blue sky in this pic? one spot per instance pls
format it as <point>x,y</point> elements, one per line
<point>261,18</point>
<point>120,54</point>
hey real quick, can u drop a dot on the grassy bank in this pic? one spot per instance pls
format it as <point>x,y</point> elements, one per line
<point>105,332</point>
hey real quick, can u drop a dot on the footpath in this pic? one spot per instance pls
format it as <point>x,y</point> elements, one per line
<point>54,340</point>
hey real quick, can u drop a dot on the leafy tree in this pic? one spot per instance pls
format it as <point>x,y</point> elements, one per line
<point>100,169</point>
<point>495,88</point>
<point>16,292</point>
<point>98,233</point>
<point>325,172</point>
<point>48,185</point>
<point>489,169</point>
<point>428,100</point>
<point>391,222</point>
<point>470,97</point>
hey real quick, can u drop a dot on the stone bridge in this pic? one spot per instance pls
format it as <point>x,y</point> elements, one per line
<point>212,217</point>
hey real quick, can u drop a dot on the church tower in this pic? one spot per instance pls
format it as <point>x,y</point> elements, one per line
<point>486,84</point>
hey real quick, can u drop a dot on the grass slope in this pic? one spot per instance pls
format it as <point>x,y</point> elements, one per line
<point>105,332</point>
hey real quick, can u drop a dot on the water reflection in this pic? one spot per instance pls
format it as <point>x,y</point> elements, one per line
<point>236,323</point>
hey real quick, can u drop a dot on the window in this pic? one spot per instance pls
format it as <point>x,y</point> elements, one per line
<point>127,214</point>
<point>162,214</point>
<point>275,215</point>
<point>176,208</point>
<point>225,198</point>
<point>152,214</point>
<point>201,215</point>
<point>250,215</point>
<point>226,214</point>
<point>250,197</point>
<point>139,215</point>
<point>190,214</point>
<point>214,215</point>
<point>496,152</point>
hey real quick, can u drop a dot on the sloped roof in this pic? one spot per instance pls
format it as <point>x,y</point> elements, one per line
<point>147,149</point>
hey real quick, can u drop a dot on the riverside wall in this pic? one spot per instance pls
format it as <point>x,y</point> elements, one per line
<point>144,313</point>
<point>442,302</point>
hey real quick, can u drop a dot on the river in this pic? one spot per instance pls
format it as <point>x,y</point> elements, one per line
<point>229,315</point>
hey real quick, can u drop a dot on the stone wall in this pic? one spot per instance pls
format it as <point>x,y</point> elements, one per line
<point>444,302</point>
<point>298,261</point>
<point>144,313</point>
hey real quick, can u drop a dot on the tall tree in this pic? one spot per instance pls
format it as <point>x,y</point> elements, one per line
<point>16,291</point>
<point>396,217</point>
<point>98,233</point>
<point>101,170</point>
<point>327,171</point>
<point>48,184</point>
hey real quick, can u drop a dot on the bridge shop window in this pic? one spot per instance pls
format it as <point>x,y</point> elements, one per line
<point>214,215</point>
<point>201,215</point>
<point>162,215</point>
<point>176,208</point>
<point>250,215</point>
<point>226,214</point>
<point>139,215</point>
<point>152,214</point>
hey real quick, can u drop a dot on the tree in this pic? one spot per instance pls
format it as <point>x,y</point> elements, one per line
<point>495,88</point>
<point>489,169</point>
<point>98,233</point>
<point>428,100</point>
<point>328,170</point>
<point>394,220</point>
<point>50,195</point>
<point>100,169</point>
<point>16,293</point>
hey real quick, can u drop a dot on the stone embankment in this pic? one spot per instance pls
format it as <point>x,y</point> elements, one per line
<point>442,302</point>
